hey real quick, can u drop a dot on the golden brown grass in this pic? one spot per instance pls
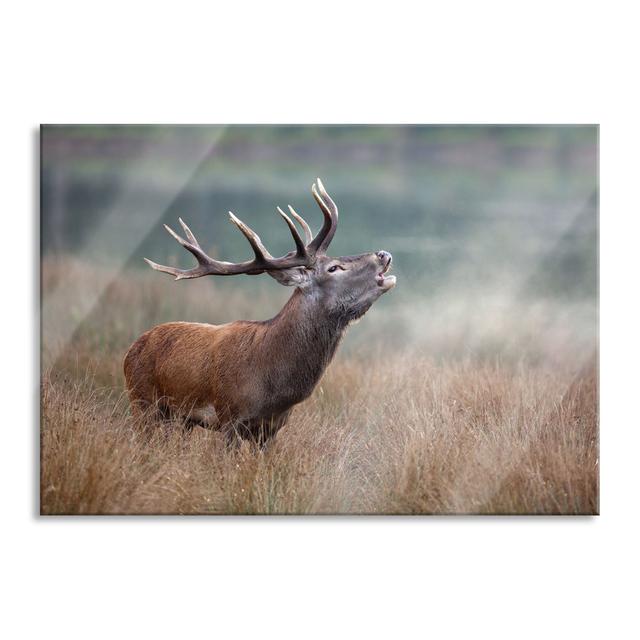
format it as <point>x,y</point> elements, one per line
<point>385,432</point>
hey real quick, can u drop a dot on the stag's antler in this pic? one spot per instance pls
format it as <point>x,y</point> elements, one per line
<point>321,242</point>
<point>303,256</point>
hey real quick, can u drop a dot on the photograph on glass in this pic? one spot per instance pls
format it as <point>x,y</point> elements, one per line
<point>426,343</point>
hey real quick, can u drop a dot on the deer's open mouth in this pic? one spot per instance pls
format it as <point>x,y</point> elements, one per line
<point>386,282</point>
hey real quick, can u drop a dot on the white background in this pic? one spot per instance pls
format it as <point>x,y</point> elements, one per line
<point>482,62</point>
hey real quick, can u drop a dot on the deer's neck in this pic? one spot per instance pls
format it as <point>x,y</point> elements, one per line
<point>302,340</point>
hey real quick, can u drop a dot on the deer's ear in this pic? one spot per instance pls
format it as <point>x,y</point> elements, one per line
<point>295,277</point>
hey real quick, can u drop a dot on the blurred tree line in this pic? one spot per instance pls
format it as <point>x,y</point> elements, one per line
<point>456,205</point>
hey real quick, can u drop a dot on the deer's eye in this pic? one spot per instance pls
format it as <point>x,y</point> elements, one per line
<point>335,267</point>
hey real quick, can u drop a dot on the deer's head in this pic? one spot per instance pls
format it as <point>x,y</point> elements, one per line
<point>345,286</point>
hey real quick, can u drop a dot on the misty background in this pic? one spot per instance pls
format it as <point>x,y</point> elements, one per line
<point>493,229</point>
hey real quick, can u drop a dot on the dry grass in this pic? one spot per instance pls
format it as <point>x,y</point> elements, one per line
<point>384,433</point>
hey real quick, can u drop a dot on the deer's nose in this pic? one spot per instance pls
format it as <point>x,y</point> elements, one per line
<point>384,256</point>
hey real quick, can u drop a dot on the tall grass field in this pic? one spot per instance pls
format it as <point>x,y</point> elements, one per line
<point>441,424</point>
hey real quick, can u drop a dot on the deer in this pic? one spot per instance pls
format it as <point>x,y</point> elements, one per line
<point>243,378</point>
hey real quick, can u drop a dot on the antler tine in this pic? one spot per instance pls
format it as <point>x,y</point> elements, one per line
<point>171,270</point>
<point>330,211</point>
<point>308,236</point>
<point>184,274</point>
<point>193,247</point>
<point>301,249</point>
<point>254,239</point>
<point>327,198</point>
<point>190,236</point>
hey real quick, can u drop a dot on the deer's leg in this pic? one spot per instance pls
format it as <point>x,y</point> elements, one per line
<point>205,417</point>
<point>147,408</point>
<point>146,413</point>
<point>262,430</point>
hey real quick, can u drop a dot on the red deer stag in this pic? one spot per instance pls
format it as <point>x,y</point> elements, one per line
<point>244,377</point>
